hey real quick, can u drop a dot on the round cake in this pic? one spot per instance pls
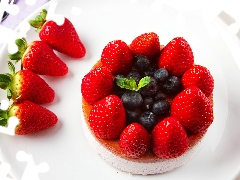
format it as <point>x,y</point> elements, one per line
<point>146,107</point>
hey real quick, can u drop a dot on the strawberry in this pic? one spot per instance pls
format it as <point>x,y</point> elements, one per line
<point>177,57</point>
<point>39,58</point>
<point>134,140</point>
<point>193,109</point>
<point>26,85</point>
<point>199,76</point>
<point>117,57</point>
<point>62,38</point>
<point>32,117</point>
<point>97,84</point>
<point>169,139</point>
<point>146,44</point>
<point>107,117</point>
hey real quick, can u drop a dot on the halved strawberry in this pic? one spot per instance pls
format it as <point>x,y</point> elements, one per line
<point>177,57</point>
<point>39,58</point>
<point>169,139</point>
<point>97,84</point>
<point>193,109</point>
<point>134,140</point>
<point>146,44</point>
<point>32,117</point>
<point>63,38</point>
<point>107,117</point>
<point>117,57</point>
<point>199,76</point>
<point>26,85</point>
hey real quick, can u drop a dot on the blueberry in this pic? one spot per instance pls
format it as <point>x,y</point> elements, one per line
<point>148,120</point>
<point>161,107</point>
<point>160,75</point>
<point>150,71</point>
<point>150,89</point>
<point>172,85</point>
<point>160,96</point>
<point>147,103</point>
<point>131,116</point>
<point>141,62</point>
<point>132,100</point>
<point>135,75</point>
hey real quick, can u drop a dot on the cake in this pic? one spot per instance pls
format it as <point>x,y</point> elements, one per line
<point>152,123</point>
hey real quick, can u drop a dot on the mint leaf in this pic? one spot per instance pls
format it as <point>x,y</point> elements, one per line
<point>131,83</point>
<point>143,82</point>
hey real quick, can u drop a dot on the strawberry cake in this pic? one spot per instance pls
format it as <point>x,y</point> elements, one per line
<point>146,106</point>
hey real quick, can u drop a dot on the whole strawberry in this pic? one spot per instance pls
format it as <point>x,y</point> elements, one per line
<point>26,85</point>
<point>107,117</point>
<point>146,44</point>
<point>134,140</point>
<point>193,109</point>
<point>97,84</point>
<point>62,38</point>
<point>169,139</point>
<point>177,57</point>
<point>32,117</point>
<point>117,57</point>
<point>39,58</point>
<point>199,76</point>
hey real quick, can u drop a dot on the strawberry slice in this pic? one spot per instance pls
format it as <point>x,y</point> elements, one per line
<point>62,38</point>
<point>32,117</point>
<point>107,117</point>
<point>146,44</point>
<point>97,84</point>
<point>117,57</point>
<point>134,140</point>
<point>26,85</point>
<point>169,139</point>
<point>193,109</point>
<point>199,76</point>
<point>39,58</point>
<point>177,57</point>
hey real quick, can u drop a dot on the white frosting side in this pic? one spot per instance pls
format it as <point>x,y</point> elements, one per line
<point>135,167</point>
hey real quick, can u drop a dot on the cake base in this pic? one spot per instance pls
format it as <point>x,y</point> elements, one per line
<point>148,164</point>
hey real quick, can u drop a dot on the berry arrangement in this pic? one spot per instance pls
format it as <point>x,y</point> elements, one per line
<point>151,97</point>
<point>26,88</point>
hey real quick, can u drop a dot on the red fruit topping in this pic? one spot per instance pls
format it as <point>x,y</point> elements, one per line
<point>97,84</point>
<point>193,109</point>
<point>199,76</point>
<point>107,117</point>
<point>169,139</point>
<point>176,57</point>
<point>134,140</point>
<point>117,57</point>
<point>146,44</point>
<point>32,117</point>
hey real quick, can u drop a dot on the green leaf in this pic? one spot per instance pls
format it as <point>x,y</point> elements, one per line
<point>4,81</point>
<point>143,82</point>
<point>3,121</point>
<point>39,20</point>
<point>3,118</point>
<point>131,83</point>
<point>11,67</point>
<point>22,46</point>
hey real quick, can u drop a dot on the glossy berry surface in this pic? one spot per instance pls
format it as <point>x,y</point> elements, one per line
<point>161,107</point>
<point>135,75</point>
<point>141,62</point>
<point>150,89</point>
<point>172,85</point>
<point>132,100</point>
<point>147,103</point>
<point>148,120</point>
<point>160,75</point>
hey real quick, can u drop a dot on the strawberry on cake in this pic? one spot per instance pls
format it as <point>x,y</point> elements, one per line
<point>147,106</point>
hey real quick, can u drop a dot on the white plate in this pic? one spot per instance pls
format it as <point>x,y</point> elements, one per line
<point>64,147</point>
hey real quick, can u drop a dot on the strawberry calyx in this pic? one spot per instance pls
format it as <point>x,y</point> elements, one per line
<point>39,20</point>
<point>22,47</point>
<point>3,117</point>
<point>6,79</point>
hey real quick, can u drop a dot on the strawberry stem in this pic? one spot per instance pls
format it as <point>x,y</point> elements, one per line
<point>22,47</point>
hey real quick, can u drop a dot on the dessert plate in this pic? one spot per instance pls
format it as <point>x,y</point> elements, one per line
<point>64,147</point>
